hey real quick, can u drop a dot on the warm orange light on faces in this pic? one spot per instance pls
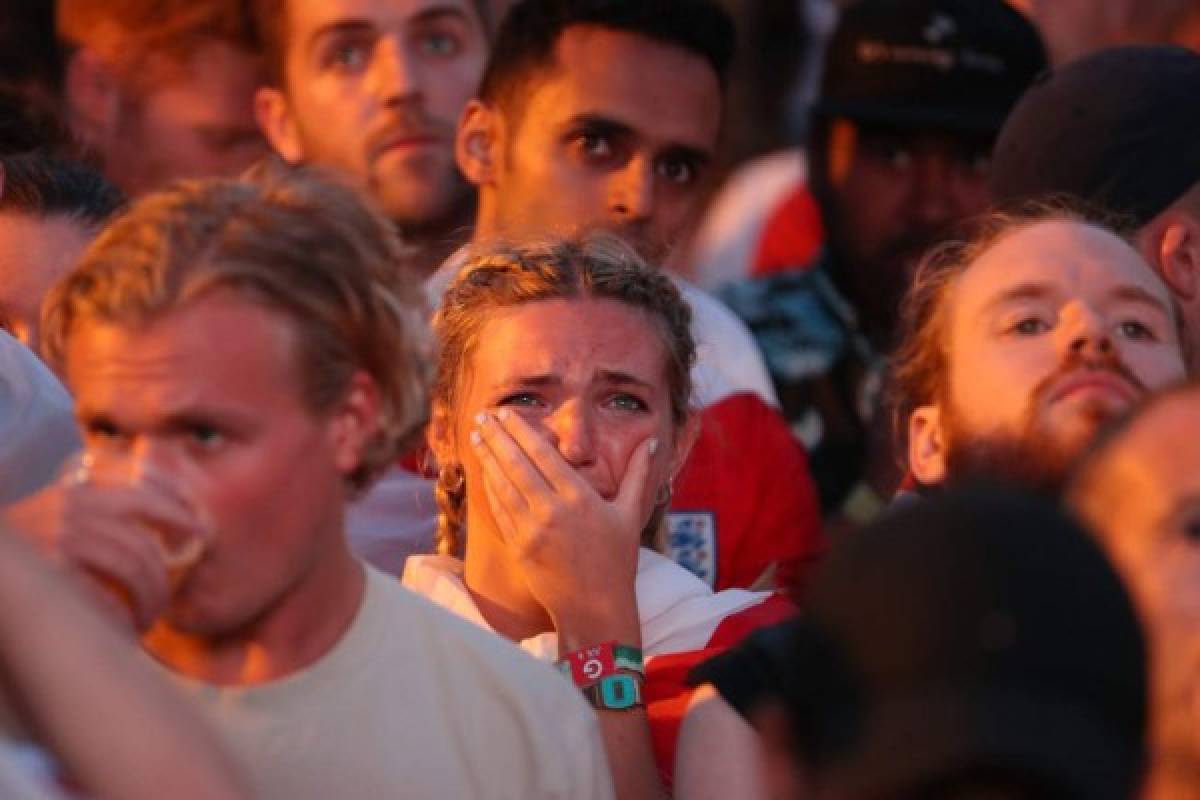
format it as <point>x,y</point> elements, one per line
<point>589,375</point>
<point>374,89</point>
<point>618,136</point>
<point>1053,330</point>
<point>263,467</point>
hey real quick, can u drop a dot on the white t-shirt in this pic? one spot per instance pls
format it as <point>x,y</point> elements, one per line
<point>412,702</point>
<point>677,610</point>
<point>37,425</point>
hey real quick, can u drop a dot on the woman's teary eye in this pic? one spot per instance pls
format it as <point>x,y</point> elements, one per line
<point>520,399</point>
<point>627,402</point>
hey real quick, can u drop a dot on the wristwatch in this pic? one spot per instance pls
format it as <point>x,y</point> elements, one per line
<point>619,692</point>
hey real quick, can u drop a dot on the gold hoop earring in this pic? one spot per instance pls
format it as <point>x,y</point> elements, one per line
<point>451,478</point>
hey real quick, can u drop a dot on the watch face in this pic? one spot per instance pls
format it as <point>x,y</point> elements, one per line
<point>618,692</point>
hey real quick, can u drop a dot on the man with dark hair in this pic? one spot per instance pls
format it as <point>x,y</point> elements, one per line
<point>160,90</point>
<point>605,114</point>
<point>49,210</point>
<point>598,114</point>
<point>1135,154</point>
<point>912,95</point>
<point>373,89</point>
<point>1018,345</point>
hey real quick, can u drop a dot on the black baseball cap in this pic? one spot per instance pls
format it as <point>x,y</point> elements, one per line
<point>956,65</point>
<point>978,631</point>
<point>1119,129</point>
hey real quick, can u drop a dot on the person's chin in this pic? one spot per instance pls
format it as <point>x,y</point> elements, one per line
<point>414,204</point>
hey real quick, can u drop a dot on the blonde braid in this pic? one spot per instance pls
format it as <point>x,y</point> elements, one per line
<point>452,504</point>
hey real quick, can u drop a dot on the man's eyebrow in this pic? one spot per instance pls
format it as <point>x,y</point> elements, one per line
<point>86,415</point>
<point>356,25</point>
<point>339,27</point>
<point>607,126</point>
<point>1136,294</point>
<point>1022,291</point>
<point>436,13</point>
<point>600,124</point>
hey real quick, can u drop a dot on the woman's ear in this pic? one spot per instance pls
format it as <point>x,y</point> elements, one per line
<point>355,422</point>
<point>927,445</point>
<point>439,435</point>
<point>685,438</point>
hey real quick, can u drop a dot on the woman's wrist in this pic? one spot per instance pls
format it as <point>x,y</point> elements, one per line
<point>586,627</point>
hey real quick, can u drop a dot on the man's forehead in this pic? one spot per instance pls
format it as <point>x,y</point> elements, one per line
<point>1064,257</point>
<point>159,343</point>
<point>306,17</point>
<point>657,90</point>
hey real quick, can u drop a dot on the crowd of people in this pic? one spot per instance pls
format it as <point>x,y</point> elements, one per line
<point>433,398</point>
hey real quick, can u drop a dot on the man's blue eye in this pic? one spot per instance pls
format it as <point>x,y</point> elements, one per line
<point>206,435</point>
<point>440,44</point>
<point>1031,326</point>
<point>349,56</point>
<point>1133,329</point>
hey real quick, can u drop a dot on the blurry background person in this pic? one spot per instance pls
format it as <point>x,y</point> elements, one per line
<point>975,645</point>
<point>113,727</point>
<point>1140,492</point>
<point>30,78</point>
<point>373,89</point>
<point>1076,28</point>
<point>1019,344</point>
<point>1117,129</point>
<point>50,209</point>
<point>161,90</point>
<point>912,95</point>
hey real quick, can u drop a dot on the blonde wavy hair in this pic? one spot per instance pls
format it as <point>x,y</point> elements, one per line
<point>304,247</point>
<point>501,275</point>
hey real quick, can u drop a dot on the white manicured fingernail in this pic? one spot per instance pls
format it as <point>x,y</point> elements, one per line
<point>475,438</point>
<point>502,414</point>
<point>481,418</point>
<point>653,446</point>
